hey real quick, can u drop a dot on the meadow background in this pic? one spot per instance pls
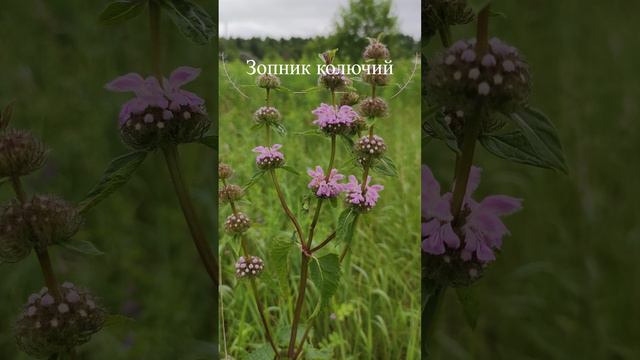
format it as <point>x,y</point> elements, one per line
<point>567,283</point>
<point>54,62</point>
<point>377,305</point>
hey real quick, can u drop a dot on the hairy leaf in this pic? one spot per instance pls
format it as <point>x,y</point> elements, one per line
<point>210,141</point>
<point>120,11</point>
<point>264,352</point>
<point>82,246</point>
<point>256,176</point>
<point>470,306</point>
<point>192,20</point>
<point>386,167</point>
<point>346,225</point>
<point>291,170</point>
<point>325,273</point>
<point>118,172</point>
<point>541,136</point>
<point>440,128</point>
<point>279,249</point>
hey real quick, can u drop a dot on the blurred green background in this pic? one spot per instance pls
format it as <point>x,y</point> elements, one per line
<point>54,62</point>
<point>376,310</point>
<point>567,283</point>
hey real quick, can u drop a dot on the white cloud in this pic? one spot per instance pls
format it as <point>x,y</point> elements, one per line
<point>302,18</point>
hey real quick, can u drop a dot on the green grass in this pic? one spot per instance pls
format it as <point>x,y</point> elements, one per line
<point>566,284</point>
<point>377,302</point>
<point>55,60</point>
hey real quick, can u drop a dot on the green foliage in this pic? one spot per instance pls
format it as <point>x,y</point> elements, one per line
<point>191,19</point>
<point>210,141</point>
<point>82,247</point>
<point>543,142</point>
<point>325,273</point>
<point>117,174</point>
<point>385,166</point>
<point>279,249</point>
<point>346,225</point>
<point>264,352</point>
<point>117,12</point>
<point>440,128</point>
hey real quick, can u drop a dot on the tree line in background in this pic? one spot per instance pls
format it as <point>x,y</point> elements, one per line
<point>355,22</point>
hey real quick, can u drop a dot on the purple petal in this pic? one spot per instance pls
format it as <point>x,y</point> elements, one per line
<point>501,205</point>
<point>183,75</point>
<point>449,236</point>
<point>124,83</point>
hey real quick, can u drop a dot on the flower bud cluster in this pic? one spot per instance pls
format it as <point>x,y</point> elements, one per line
<point>376,51</point>
<point>349,98</point>
<point>224,171</point>
<point>230,193</point>
<point>374,107</point>
<point>335,121</point>
<point>268,81</point>
<point>267,115</point>
<point>269,157</point>
<point>334,79</point>
<point>460,76</point>
<point>445,13</point>
<point>369,148</point>
<point>42,221</point>
<point>20,153</point>
<point>237,223</point>
<point>251,267</point>
<point>49,326</point>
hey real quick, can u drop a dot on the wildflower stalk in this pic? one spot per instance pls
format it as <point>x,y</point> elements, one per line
<point>472,127</point>
<point>204,250</point>
<point>254,288</point>
<point>461,172</point>
<point>306,253</point>
<point>43,254</point>
<point>171,157</point>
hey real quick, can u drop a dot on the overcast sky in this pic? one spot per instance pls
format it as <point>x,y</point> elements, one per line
<point>302,18</point>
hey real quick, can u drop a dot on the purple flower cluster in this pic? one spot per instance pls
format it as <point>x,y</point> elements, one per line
<point>362,198</point>
<point>481,231</point>
<point>334,120</point>
<point>169,97</point>
<point>323,186</point>
<point>268,156</point>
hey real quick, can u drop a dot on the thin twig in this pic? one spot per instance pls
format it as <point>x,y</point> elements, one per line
<point>226,73</point>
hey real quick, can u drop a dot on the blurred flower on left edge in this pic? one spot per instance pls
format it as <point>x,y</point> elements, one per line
<point>457,253</point>
<point>160,113</point>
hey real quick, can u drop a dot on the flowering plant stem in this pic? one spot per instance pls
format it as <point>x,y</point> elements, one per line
<point>461,172</point>
<point>254,288</point>
<point>43,254</point>
<point>204,249</point>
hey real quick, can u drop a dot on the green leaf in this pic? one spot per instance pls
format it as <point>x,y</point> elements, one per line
<point>192,20</point>
<point>470,305</point>
<point>325,273</point>
<point>256,176</point>
<point>541,136</point>
<point>478,5</point>
<point>442,131</point>
<point>284,334</point>
<point>264,352</point>
<point>386,167</point>
<point>210,141</point>
<point>279,249</point>
<point>319,354</point>
<point>279,128</point>
<point>82,246</point>
<point>348,142</point>
<point>513,146</point>
<point>118,172</point>
<point>290,169</point>
<point>346,225</point>
<point>120,11</point>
